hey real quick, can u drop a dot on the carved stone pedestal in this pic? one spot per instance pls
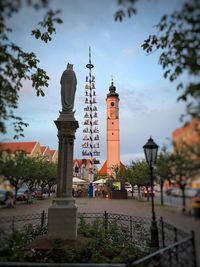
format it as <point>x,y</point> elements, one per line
<point>62,219</point>
<point>62,215</point>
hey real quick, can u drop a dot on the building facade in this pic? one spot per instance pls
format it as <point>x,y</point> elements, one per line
<point>189,134</point>
<point>81,169</point>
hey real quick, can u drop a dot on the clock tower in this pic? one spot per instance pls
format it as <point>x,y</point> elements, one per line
<point>113,131</point>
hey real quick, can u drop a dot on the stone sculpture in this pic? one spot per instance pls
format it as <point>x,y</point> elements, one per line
<point>62,214</point>
<point>68,88</point>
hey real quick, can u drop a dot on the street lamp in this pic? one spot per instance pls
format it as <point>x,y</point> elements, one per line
<point>150,151</point>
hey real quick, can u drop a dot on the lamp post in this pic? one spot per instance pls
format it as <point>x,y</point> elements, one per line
<point>150,151</point>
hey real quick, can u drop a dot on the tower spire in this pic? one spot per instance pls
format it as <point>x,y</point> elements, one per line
<point>112,80</point>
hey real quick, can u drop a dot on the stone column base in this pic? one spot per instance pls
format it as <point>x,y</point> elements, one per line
<point>62,219</point>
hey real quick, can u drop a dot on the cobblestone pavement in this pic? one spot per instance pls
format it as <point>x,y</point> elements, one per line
<point>127,206</point>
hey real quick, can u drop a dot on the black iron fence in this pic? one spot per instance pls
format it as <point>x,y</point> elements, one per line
<point>177,247</point>
<point>179,254</point>
<point>9,224</point>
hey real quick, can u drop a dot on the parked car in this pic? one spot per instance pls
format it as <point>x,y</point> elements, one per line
<point>22,194</point>
<point>147,192</point>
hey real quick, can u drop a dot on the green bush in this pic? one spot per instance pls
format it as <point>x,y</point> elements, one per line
<point>13,248</point>
<point>99,244</point>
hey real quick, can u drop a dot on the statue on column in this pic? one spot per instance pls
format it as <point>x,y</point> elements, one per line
<point>68,83</point>
<point>62,214</point>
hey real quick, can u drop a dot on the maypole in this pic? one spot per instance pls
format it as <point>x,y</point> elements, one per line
<point>91,131</point>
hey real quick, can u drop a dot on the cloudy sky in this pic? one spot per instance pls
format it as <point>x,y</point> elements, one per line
<point>148,103</point>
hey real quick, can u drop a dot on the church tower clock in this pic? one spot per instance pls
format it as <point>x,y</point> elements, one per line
<point>113,131</point>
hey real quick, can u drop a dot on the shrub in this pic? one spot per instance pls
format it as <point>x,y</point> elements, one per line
<point>99,244</point>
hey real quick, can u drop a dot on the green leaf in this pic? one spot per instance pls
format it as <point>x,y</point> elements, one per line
<point>145,46</point>
<point>58,20</point>
<point>42,93</point>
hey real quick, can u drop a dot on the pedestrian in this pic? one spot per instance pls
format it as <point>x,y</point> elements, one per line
<point>9,200</point>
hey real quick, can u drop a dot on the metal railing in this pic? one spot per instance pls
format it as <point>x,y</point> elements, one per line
<point>179,254</point>
<point>177,248</point>
<point>12,223</point>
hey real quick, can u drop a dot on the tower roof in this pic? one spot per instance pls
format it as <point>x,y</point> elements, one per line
<point>104,169</point>
<point>112,90</point>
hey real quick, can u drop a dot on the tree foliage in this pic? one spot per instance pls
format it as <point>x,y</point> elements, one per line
<point>137,173</point>
<point>47,174</point>
<point>117,172</point>
<point>127,9</point>
<point>13,169</point>
<point>140,173</point>
<point>185,162</point>
<point>185,165</point>
<point>30,172</point>
<point>18,65</point>
<point>178,38</point>
<point>163,169</point>
<point>18,169</point>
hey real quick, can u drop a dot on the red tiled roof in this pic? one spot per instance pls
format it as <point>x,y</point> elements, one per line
<point>81,161</point>
<point>27,147</point>
<point>52,152</point>
<point>78,161</point>
<point>43,148</point>
<point>103,170</point>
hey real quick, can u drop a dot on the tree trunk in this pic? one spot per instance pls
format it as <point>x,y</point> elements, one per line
<point>132,193</point>
<point>30,187</point>
<point>139,192</point>
<point>49,190</point>
<point>148,193</point>
<point>16,190</point>
<point>183,198</point>
<point>42,189</point>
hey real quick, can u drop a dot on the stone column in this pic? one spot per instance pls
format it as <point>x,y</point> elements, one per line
<point>62,215</point>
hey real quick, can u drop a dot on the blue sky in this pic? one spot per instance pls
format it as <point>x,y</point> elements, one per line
<point>148,103</point>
